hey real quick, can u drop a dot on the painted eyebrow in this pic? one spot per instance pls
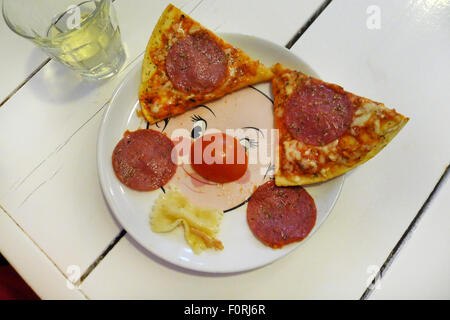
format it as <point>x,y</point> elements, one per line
<point>265,95</point>
<point>166,122</point>
<point>206,107</point>
<point>254,128</point>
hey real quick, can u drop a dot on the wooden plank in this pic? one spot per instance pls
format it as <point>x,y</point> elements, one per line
<point>49,179</point>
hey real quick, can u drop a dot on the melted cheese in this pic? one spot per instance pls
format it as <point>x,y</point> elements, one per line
<point>293,151</point>
<point>363,114</point>
<point>201,225</point>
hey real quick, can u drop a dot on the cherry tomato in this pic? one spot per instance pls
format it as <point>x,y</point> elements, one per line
<point>219,157</point>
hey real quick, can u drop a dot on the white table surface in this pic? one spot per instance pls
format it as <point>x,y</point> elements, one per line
<point>421,269</point>
<point>53,218</point>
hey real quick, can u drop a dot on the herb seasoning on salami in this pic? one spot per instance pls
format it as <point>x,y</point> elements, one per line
<point>196,63</point>
<point>280,215</point>
<point>142,160</point>
<point>318,114</point>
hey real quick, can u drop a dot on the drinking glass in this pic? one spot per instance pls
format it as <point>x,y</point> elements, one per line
<point>83,35</point>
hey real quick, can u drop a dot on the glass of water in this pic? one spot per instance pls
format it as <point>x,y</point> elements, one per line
<point>83,35</point>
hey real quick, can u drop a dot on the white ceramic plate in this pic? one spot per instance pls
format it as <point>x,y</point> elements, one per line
<point>132,208</point>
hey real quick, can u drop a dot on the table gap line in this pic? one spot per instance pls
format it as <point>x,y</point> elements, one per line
<point>308,23</point>
<point>405,236</point>
<point>40,249</point>
<point>28,78</point>
<point>94,264</point>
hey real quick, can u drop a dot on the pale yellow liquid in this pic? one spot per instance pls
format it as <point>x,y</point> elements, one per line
<point>94,49</point>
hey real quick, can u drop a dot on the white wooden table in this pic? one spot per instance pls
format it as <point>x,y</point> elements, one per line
<point>56,229</point>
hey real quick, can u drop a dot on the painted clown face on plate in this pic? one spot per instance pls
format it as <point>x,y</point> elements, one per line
<point>246,118</point>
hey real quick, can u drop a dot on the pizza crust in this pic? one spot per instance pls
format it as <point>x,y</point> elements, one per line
<point>166,19</point>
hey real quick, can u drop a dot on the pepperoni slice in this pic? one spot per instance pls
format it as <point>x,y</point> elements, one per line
<point>196,63</point>
<point>317,114</point>
<point>142,160</point>
<point>280,215</point>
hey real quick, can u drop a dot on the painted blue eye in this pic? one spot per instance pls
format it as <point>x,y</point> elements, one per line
<point>248,143</point>
<point>199,127</point>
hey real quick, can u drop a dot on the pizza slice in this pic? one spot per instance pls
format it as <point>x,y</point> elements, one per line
<point>325,131</point>
<point>186,65</point>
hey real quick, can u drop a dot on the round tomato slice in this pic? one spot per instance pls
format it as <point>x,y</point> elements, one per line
<point>219,157</point>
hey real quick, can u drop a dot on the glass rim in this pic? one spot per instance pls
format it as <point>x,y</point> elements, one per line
<point>10,25</point>
<point>61,35</point>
